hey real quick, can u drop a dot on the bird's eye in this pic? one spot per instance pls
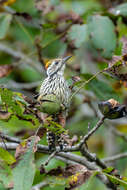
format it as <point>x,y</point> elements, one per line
<point>56,63</point>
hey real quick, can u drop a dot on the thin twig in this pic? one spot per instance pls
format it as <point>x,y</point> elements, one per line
<point>84,83</point>
<point>39,185</point>
<point>50,157</point>
<point>115,157</point>
<point>88,135</point>
<point>83,149</point>
<point>92,131</point>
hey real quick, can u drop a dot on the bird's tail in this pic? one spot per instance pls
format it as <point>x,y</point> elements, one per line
<point>51,138</point>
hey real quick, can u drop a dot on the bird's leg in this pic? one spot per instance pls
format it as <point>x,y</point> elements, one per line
<point>50,135</point>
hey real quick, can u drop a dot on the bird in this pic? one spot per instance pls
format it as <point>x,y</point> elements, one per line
<point>56,84</point>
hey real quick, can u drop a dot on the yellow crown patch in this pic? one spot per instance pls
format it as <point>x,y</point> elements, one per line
<point>48,63</point>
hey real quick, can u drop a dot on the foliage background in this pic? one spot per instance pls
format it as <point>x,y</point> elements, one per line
<point>32,32</point>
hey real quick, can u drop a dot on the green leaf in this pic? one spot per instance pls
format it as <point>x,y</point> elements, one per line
<point>8,100</point>
<point>14,124</point>
<point>5,174</point>
<point>23,173</point>
<point>102,34</point>
<point>54,127</point>
<point>60,182</point>
<point>52,46</point>
<point>5,20</point>
<point>2,187</point>
<point>15,104</point>
<point>120,10</point>
<point>78,34</point>
<point>18,97</point>
<point>87,184</point>
<point>6,96</point>
<point>85,7</point>
<point>6,156</point>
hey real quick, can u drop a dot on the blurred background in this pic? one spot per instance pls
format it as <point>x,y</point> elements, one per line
<point>92,31</point>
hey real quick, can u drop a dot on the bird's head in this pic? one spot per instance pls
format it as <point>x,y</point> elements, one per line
<point>56,66</point>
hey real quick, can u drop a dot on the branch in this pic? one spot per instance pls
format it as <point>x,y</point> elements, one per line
<point>72,157</point>
<point>115,157</point>
<point>92,131</point>
<point>87,136</point>
<point>12,84</point>
<point>84,83</point>
<point>9,138</point>
<point>44,149</point>
<point>81,148</point>
<point>39,52</point>
<point>20,55</point>
<point>50,157</point>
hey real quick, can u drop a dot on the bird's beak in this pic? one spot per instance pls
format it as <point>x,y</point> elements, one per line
<point>65,59</point>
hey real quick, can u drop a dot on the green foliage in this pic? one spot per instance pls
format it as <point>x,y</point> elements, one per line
<point>50,41</point>
<point>78,34</point>
<point>15,124</point>
<point>8,100</point>
<point>15,104</point>
<point>87,185</point>
<point>54,126</point>
<point>117,181</point>
<point>25,169</point>
<point>5,20</point>
<point>58,182</point>
<point>34,31</point>
<point>120,10</point>
<point>85,7</point>
<point>102,33</point>
<point>95,85</point>
<point>6,156</point>
<point>5,174</point>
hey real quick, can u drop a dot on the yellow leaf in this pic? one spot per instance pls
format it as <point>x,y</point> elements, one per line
<point>9,2</point>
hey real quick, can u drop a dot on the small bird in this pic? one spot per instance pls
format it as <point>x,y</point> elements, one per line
<point>55,84</point>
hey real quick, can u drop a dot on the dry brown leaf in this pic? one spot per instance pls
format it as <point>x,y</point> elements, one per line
<point>75,18</point>
<point>118,64</point>
<point>76,174</point>
<point>23,147</point>
<point>44,6</point>
<point>5,70</point>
